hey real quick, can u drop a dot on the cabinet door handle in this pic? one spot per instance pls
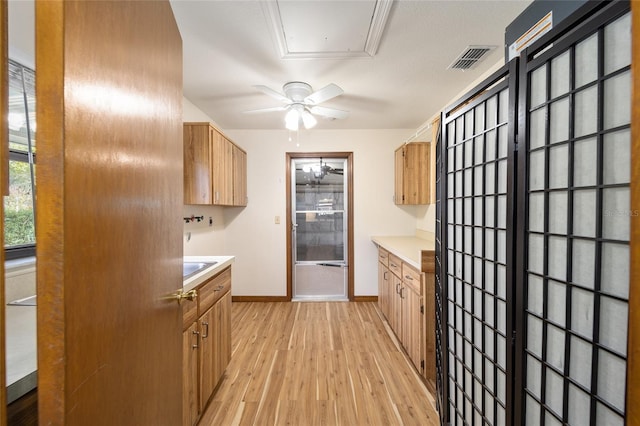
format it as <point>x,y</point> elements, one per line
<point>401,296</point>
<point>409,277</point>
<point>206,334</point>
<point>196,334</point>
<point>384,275</point>
<point>398,289</point>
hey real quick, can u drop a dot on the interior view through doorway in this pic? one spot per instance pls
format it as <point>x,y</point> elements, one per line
<point>319,194</point>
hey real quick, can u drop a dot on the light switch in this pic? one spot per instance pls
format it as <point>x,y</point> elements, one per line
<point>277,220</point>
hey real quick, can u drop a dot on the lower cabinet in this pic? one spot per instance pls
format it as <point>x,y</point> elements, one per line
<point>206,345</point>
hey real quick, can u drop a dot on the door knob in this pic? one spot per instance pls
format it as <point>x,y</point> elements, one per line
<point>181,295</point>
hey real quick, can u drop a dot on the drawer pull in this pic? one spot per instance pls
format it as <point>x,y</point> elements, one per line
<point>220,287</point>
<point>393,265</point>
<point>409,277</point>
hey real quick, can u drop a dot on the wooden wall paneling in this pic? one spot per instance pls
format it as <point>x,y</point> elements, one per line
<point>633,366</point>
<point>4,177</point>
<point>109,116</point>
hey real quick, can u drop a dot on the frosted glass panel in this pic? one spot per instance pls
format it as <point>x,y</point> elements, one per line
<point>536,128</point>
<point>560,75</point>
<point>534,374</point>
<point>615,269</point>
<point>617,100</point>
<point>616,154</point>
<point>557,261</point>
<point>536,170</point>
<point>488,341</point>
<point>492,111</point>
<point>584,259</point>
<point>451,127</point>
<point>468,124</point>
<point>478,179</point>
<point>585,157</point>
<point>532,414</point>
<point>490,178</point>
<point>558,209</point>
<point>613,324</point>
<point>479,116</point>
<point>502,176</point>
<point>580,365</point>
<point>586,112</point>
<point>586,61</point>
<point>556,302</point>
<point>536,211</point>
<point>477,211</point>
<point>538,86</point>
<point>489,244</point>
<point>616,216</point>
<point>559,121</point>
<point>468,189</point>
<point>502,141</point>
<point>579,406</point>
<point>503,106</point>
<point>555,347</point>
<point>488,310</point>
<point>611,379</point>
<point>534,336</point>
<point>584,213</point>
<point>617,43</point>
<point>555,389</point>
<point>468,151</point>
<point>604,416</point>
<point>478,241</point>
<point>459,158</point>
<point>502,211</point>
<point>489,207</point>
<point>582,312</point>
<point>501,386</point>
<point>534,294</point>
<point>550,420</point>
<point>558,166</point>
<point>536,253</point>
<point>502,247</point>
<point>501,281</point>
<point>502,320</point>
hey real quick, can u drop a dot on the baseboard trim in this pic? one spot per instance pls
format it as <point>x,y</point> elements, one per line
<point>365,298</point>
<point>260,299</point>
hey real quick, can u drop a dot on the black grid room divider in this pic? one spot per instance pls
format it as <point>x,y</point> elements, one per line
<point>532,223</point>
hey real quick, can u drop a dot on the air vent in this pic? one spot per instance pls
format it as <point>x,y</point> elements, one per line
<point>470,57</point>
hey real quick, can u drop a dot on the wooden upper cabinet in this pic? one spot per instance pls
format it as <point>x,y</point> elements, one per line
<point>197,165</point>
<point>412,176</point>
<point>239,176</point>
<point>215,169</point>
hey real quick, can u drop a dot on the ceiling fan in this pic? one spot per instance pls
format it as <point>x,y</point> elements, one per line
<point>301,102</point>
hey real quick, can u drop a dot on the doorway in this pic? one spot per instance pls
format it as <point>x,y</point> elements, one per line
<point>319,226</point>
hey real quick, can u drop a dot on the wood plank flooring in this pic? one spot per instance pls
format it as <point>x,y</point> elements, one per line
<point>319,363</point>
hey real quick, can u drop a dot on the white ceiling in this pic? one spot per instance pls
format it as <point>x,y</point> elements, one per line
<point>229,46</point>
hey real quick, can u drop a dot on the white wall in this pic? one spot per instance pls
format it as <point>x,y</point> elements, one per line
<point>260,244</point>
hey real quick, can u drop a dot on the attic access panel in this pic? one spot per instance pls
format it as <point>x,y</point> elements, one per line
<point>334,29</point>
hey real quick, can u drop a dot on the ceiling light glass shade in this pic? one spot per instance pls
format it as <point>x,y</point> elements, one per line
<point>291,119</point>
<point>308,120</point>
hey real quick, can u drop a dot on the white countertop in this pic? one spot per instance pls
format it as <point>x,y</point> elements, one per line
<point>408,248</point>
<point>193,281</point>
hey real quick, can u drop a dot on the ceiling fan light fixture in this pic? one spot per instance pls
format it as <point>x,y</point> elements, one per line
<point>308,119</point>
<point>292,119</point>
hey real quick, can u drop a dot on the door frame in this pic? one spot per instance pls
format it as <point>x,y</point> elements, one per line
<point>4,184</point>
<point>289,221</point>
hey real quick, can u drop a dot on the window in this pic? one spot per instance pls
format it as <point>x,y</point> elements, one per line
<point>19,240</point>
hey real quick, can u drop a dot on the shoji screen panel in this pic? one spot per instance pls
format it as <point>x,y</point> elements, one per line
<point>476,246</point>
<point>573,249</point>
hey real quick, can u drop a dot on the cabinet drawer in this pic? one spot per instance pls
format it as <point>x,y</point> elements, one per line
<point>189,312</point>
<point>383,257</point>
<point>214,289</point>
<point>395,265</point>
<point>411,277</point>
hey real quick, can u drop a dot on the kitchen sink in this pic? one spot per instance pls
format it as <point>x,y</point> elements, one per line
<point>192,268</point>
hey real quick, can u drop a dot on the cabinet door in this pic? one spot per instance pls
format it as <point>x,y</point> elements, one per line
<point>412,325</point>
<point>222,166</point>
<point>223,336</point>
<point>239,177</point>
<point>197,164</point>
<point>207,356</point>
<point>190,344</point>
<point>398,196</point>
<point>416,173</point>
<point>395,307</point>
<point>384,290</point>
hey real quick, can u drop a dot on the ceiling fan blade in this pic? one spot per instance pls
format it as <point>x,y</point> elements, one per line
<point>329,112</point>
<point>269,91</point>
<point>328,92</point>
<point>273,109</point>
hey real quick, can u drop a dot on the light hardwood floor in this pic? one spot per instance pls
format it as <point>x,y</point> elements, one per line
<point>317,364</point>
